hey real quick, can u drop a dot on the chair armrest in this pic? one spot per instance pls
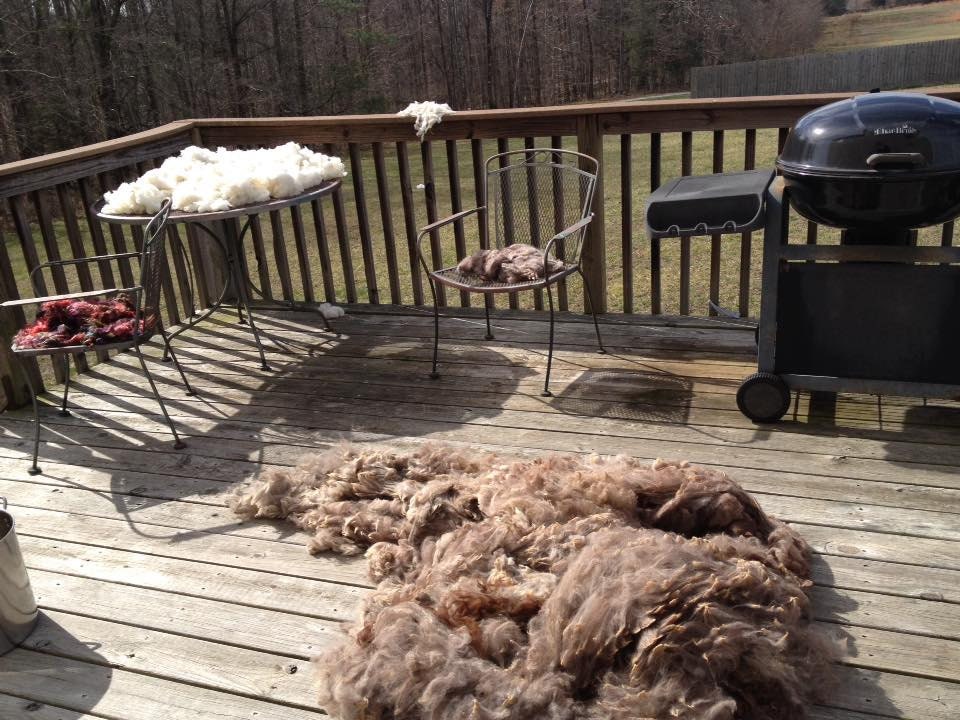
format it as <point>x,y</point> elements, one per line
<point>94,258</point>
<point>78,261</point>
<point>439,224</point>
<point>453,218</point>
<point>69,296</point>
<point>564,234</point>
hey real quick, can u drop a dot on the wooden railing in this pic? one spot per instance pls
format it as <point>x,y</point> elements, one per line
<point>358,245</point>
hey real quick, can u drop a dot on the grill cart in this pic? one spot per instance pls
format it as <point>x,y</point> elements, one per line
<point>877,313</point>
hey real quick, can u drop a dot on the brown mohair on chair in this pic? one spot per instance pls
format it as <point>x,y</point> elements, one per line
<point>512,264</point>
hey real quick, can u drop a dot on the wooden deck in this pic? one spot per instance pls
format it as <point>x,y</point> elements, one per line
<point>158,604</point>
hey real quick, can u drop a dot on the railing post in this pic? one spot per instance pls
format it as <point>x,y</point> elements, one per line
<point>15,391</point>
<point>590,142</point>
<point>208,261</point>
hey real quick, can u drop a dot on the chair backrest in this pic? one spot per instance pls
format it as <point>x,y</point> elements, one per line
<point>533,194</point>
<point>152,256</point>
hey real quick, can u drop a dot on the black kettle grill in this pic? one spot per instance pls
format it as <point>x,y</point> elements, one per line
<point>878,165</point>
<point>875,314</point>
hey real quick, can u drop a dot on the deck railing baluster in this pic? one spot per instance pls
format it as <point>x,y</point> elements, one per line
<point>409,221</point>
<point>280,255</point>
<point>343,242</point>
<point>506,208</point>
<point>626,218</point>
<point>11,380</point>
<point>746,239</point>
<point>386,220</point>
<point>533,211</point>
<point>323,251</point>
<point>686,168</point>
<point>479,196</point>
<point>656,162</point>
<point>363,225</point>
<point>430,198</point>
<point>456,205</point>
<point>593,257</point>
<point>107,183</point>
<point>715,240</point>
<point>303,258</point>
<point>260,255</point>
<point>556,142</point>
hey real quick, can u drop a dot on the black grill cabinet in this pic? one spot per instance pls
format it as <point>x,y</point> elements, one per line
<point>876,313</point>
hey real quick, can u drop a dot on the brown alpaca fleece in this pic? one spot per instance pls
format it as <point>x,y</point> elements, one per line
<point>565,588</point>
<point>511,264</point>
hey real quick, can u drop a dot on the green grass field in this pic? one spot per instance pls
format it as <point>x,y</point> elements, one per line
<point>895,26</point>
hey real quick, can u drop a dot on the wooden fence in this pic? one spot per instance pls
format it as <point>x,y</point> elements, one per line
<point>358,246</point>
<point>892,67</point>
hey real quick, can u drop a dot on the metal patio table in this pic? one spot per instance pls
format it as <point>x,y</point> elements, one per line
<point>230,244</point>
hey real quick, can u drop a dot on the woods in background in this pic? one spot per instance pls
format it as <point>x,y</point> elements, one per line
<point>78,71</point>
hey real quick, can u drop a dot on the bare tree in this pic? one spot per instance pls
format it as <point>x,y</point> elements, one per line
<point>74,71</point>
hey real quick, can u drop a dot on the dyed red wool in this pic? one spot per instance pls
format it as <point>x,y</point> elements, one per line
<point>65,323</point>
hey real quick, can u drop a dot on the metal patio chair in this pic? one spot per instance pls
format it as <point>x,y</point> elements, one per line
<point>538,196</point>
<point>146,300</point>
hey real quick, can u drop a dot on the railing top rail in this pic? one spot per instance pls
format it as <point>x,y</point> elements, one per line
<point>619,116</point>
<point>100,148</point>
<point>575,110</point>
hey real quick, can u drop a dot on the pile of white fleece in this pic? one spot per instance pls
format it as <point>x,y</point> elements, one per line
<point>427,114</point>
<point>201,180</point>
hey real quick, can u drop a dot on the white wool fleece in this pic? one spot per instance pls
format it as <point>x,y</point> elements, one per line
<point>202,180</point>
<point>427,114</point>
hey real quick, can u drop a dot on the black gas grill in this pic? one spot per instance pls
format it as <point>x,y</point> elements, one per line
<point>878,165</point>
<point>877,313</point>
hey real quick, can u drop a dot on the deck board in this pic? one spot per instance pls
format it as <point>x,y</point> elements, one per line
<point>159,603</point>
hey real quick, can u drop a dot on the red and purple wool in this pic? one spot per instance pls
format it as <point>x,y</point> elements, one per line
<point>65,323</point>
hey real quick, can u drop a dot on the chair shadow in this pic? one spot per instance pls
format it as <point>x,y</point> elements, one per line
<point>628,394</point>
<point>243,417</point>
<point>64,676</point>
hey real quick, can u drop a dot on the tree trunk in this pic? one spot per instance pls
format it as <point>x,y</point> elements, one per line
<point>104,21</point>
<point>489,98</point>
<point>303,90</point>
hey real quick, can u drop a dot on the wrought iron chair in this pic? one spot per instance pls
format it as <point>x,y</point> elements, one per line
<point>146,301</point>
<point>532,196</point>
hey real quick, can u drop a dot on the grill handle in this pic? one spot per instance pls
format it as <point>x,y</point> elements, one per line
<point>895,161</point>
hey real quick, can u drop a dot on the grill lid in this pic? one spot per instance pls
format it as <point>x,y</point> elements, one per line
<point>879,135</point>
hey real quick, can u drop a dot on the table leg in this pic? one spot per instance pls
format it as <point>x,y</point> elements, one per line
<point>215,306</point>
<point>239,279</point>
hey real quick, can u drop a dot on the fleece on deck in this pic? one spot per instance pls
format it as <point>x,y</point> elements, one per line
<point>564,587</point>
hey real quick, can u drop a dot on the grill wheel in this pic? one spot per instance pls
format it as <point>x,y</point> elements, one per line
<point>763,397</point>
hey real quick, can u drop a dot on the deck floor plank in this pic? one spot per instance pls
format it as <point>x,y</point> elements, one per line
<point>203,663</point>
<point>158,603</point>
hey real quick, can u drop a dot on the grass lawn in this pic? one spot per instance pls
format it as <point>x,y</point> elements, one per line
<point>894,26</point>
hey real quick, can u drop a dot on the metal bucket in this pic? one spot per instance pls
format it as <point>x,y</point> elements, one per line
<point>18,608</point>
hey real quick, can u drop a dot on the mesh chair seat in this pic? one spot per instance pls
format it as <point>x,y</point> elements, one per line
<point>471,282</point>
